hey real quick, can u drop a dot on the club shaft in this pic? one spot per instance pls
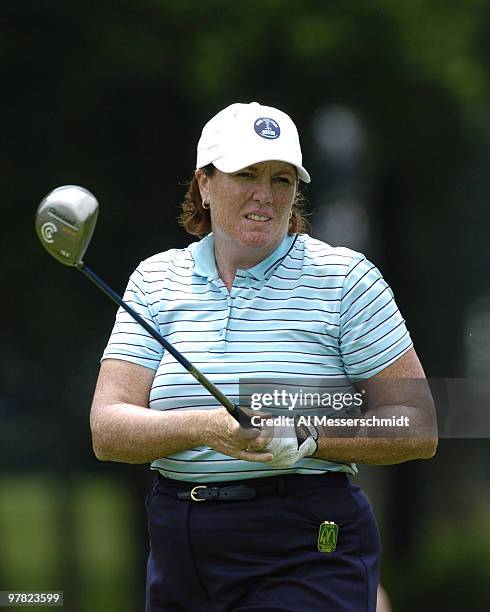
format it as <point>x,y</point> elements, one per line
<point>199,376</point>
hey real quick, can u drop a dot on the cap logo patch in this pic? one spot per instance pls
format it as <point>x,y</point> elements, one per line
<point>267,128</point>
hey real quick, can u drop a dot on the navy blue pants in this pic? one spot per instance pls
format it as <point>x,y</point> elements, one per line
<point>261,554</point>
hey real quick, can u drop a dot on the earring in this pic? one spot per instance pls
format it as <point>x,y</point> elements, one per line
<point>205,204</point>
<point>290,215</point>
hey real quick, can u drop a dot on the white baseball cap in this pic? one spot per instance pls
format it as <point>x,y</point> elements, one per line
<point>245,134</point>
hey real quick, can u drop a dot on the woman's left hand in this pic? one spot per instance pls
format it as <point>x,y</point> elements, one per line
<point>288,446</point>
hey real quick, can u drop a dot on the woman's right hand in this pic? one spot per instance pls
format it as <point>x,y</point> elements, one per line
<point>224,434</point>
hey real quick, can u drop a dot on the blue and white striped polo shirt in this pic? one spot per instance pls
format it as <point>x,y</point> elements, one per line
<point>308,310</point>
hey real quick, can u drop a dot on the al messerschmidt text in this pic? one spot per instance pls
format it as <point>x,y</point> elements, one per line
<point>315,420</point>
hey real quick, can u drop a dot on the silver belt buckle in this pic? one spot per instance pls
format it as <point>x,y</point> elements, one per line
<point>193,494</point>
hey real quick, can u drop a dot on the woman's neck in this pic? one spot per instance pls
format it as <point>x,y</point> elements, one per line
<point>230,259</point>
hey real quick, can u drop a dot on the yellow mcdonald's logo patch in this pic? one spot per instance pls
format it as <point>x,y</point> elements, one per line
<point>327,536</point>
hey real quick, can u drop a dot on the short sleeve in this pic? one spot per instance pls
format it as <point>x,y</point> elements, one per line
<point>372,330</point>
<point>129,341</point>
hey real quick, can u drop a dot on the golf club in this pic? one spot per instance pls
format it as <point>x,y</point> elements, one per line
<point>65,223</point>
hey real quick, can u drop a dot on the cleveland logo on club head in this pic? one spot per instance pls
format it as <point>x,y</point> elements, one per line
<point>47,231</point>
<point>267,128</point>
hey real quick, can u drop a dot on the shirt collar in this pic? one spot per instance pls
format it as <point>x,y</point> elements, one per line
<point>202,253</point>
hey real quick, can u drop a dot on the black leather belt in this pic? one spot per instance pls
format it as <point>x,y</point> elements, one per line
<point>203,492</point>
<point>250,488</point>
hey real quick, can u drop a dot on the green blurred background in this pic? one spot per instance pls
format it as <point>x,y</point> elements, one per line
<point>391,98</point>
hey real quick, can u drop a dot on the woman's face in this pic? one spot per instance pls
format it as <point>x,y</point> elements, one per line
<point>250,208</point>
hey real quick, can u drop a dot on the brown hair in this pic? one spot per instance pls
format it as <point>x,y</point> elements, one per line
<point>197,220</point>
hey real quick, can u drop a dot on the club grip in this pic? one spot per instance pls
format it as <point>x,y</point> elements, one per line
<point>242,417</point>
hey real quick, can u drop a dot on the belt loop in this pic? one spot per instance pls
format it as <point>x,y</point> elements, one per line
<point>282,486</point>
<point>155,483</point>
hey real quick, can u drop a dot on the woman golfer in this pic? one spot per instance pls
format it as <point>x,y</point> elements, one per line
<point>261,519</point>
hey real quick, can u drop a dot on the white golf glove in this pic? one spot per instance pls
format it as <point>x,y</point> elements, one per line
<point>292,443</point>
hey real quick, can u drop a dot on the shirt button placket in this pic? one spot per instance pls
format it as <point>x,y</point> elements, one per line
<point>224,330</point>
<point>219,345</point>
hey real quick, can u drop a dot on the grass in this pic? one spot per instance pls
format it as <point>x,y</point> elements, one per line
<point>50,528</point>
